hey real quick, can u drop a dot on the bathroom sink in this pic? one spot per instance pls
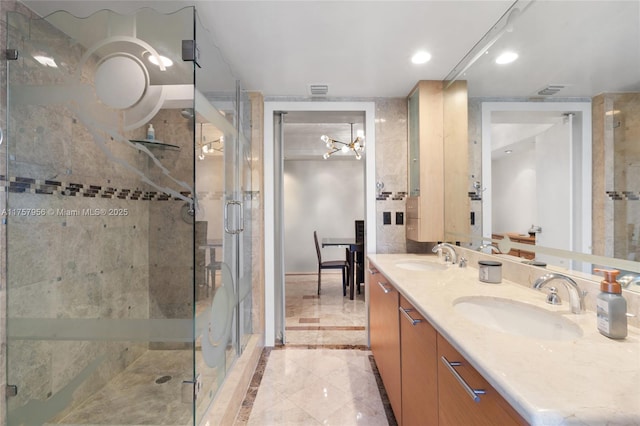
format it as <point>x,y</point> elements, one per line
<point>420,265</point>
<point>513,317</point>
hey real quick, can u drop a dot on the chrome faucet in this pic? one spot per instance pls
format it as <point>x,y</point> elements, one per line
<point>493,248</point>
<point>450,247</point>
<point>576,296</point>
<point>628,279</point>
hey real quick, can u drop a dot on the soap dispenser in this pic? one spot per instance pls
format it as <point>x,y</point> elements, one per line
<point>611,306</point>
<point>151,133</point>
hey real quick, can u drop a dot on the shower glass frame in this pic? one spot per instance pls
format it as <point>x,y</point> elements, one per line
<point>105,268</point>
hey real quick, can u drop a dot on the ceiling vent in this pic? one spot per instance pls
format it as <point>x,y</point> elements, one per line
<point>318,89</point>
<point>551,89</point>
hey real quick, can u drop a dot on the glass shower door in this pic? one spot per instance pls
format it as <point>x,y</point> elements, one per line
<point>223,224</point>
<point>100,229</point>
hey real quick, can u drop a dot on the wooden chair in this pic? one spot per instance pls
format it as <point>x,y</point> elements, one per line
<point>359,255</point>
<point>331,264</point>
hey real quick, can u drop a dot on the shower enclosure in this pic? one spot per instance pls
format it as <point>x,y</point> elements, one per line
<point>128,251</point>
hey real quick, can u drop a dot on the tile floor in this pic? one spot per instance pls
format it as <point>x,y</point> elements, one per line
<point>324,375</point>
<point>328,319</point>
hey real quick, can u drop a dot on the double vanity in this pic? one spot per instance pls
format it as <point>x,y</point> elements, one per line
<point>454,350</point>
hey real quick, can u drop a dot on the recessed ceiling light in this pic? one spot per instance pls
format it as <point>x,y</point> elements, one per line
<point>155,61</point>
<point>508,151</point>
<point>46,61</point>
<point>506,58</point>
<point>421,57</point>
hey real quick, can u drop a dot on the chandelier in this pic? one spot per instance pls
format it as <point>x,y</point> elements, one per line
<point>208,147</point>
<point>356,145</point>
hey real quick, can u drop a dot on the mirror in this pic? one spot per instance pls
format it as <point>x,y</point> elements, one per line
<point>575,75</point>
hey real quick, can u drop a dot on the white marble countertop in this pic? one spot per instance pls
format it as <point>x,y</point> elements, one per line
<point>592,380</point>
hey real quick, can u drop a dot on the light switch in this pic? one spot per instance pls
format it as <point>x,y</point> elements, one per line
<point>386,218</point>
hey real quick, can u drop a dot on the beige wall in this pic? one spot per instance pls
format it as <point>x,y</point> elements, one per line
<point>391,170</point>
<point>257,214</point>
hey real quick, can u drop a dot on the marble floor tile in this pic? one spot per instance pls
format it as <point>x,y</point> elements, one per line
<point>326,319</point>
<point>301,387</point>
<point>148,392</point>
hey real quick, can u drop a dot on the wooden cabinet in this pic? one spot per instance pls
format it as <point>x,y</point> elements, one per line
<point>384,329</point>
<point>456,405</point>
<point>457,182</point>
<point>437,159</point>
<point>422,388</point>
<point>425,204</point>
<point>419,359</point>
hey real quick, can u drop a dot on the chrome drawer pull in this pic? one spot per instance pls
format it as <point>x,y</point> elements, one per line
<point>372,271</point>
<point>405,312</point>
<point>473,393</point>
<point>385,289</point>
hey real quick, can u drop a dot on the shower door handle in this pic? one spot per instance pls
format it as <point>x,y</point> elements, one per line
<point>227,228</point>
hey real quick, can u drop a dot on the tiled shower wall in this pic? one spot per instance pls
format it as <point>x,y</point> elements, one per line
<point>5,6</point>
<point>110,277</point>
<point>616,173</point>
<point>170,242</point>
<point>68,266</point>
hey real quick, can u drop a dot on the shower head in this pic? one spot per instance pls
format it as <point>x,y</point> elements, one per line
<point>187,113</point>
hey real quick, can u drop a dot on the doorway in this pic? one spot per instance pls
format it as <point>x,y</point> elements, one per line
<point>275,291</point>
<point>325,196</point>
<point>537,157</point>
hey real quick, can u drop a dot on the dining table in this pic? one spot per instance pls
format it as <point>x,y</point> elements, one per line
<point>353,246</point>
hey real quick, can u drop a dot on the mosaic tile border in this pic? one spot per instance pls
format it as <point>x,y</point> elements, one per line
<point>474,196</point>
<point>323,346</point>
<point>252,391</point>
<point>324,328</point>
<point>391,418</point>
<point>613,195</point>
<point>386,195</point>
<point>23,185</point>
<point>624,195</point>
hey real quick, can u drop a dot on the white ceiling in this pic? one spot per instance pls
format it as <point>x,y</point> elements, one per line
<point>358,48</point>
<point>363,48</point>
<point>517,130</point>
<point>589,47</point>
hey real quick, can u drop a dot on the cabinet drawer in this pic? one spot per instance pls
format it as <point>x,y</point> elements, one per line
<point>384,329</point>
<point>419,354</point>
<point>456,401</point>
